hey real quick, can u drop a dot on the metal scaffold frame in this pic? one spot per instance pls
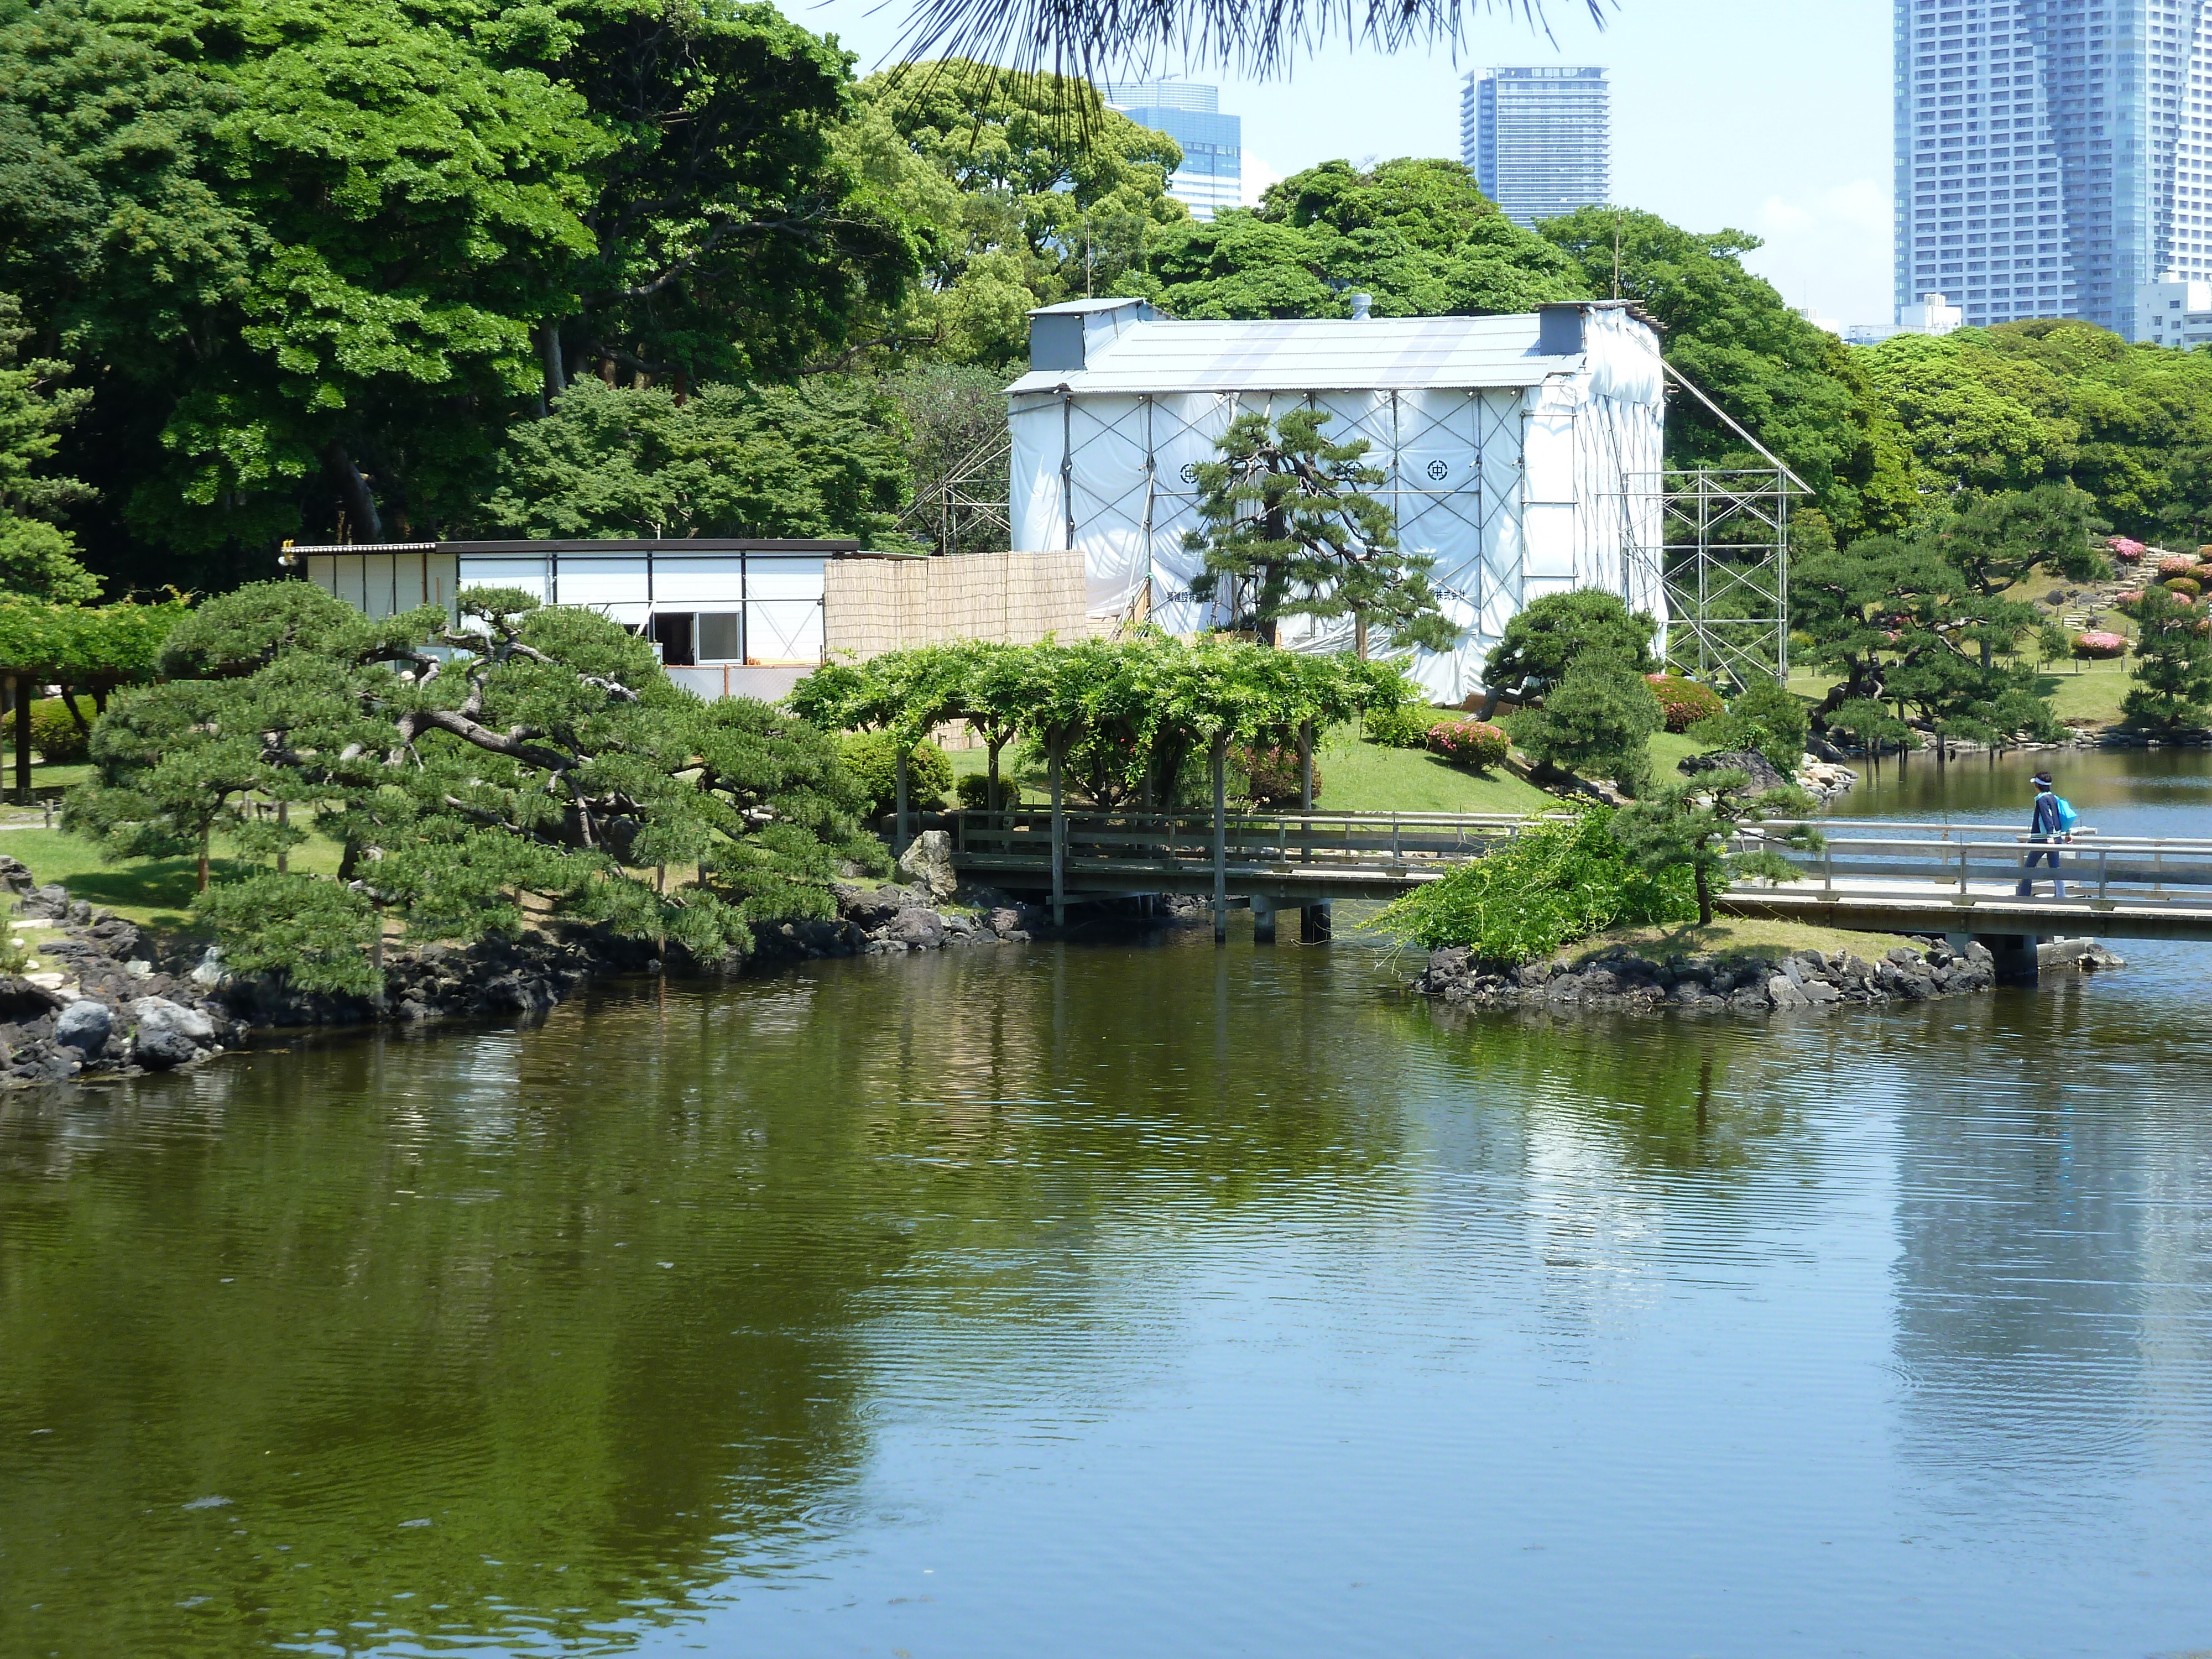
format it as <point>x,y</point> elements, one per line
<point>1725,557</point>
<point>966,510</point>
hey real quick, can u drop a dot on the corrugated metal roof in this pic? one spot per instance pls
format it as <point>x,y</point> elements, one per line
<point>1312,355</point>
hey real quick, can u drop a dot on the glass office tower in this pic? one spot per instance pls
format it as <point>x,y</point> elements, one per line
<point>2051,154</point>
<point>1539,140</point>
<point>1211,176</point>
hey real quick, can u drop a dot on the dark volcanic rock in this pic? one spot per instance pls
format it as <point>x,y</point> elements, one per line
<point>1756,766</point>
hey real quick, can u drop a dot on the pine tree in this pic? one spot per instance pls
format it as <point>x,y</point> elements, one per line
<point>2172,671</point>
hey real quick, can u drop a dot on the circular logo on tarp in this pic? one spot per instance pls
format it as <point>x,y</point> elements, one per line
<point>1190,472</point>
<point>1438,470</point>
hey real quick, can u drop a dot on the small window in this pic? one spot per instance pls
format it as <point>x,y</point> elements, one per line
<point>719,640</point>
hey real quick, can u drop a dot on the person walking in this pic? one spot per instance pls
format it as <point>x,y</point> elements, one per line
<point>2052,820</point>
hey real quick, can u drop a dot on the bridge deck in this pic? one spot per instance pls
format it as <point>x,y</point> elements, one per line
<point>1883,877</point>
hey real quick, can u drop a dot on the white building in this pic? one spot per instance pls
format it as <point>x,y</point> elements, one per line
<point>2174,310</point>
<point>730,616</point>
<point>1538,140</point>
<point>1932,314</point>
<point>1522,452</point>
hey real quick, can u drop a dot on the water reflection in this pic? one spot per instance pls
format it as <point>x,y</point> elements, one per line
<point>1193,1300</point>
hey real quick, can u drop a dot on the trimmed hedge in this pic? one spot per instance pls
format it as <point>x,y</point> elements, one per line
<point>1685,702</point>
<point>1406,727</point>
<point>1470,743</point>
<point>872,759</point>
<point>54,734</point>
<point>2187,586</point>
<point>976,785</point>
<point>2098,644</point>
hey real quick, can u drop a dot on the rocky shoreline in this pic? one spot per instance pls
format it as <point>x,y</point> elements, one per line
<point>115,1001</point>
<point>1623,980</point>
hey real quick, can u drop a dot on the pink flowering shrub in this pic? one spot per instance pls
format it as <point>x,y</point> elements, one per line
<point>2126,550</point>
<point>2097,643</point>
<point>1470,743</point>
<point>2179,564</point>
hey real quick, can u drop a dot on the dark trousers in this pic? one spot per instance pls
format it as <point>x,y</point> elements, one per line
<point>2026,887</point>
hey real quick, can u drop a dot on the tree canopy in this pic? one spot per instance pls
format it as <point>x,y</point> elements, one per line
<point>534,760</point>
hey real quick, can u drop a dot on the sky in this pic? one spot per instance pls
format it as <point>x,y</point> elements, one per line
<point>1772,118</point>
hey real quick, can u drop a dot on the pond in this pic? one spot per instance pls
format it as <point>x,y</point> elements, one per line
<point>1123,1299</point>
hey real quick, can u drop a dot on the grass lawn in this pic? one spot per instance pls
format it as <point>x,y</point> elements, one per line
<point>1731,936</point>
<point>155,892</point>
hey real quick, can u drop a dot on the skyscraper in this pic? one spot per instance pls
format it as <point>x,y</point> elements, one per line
<point>2051,154</point>
<point>1211,176</point>
<point>1539,140</point>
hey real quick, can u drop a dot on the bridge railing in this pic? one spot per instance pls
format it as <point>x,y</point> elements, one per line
<point>1876,858</point>
<point>1023,838</point>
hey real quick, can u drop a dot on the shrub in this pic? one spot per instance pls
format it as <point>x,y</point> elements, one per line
<point>1766,718</point>
<point>2127,551</point>
<point>2172,680</point>
<point>2188,586</point>
<point>1598,722</point>
<point>1543,642</point>
<point>976,785</point>
<point>1552,884</point>
<point>1471,743</point>
<point>872,759</point>
<point>1271,777</point>
<point>1406,727</point>
<point>2178,564</point>
<point>54,733</point>
<point>2096,643</point>
<point>1685,702</point>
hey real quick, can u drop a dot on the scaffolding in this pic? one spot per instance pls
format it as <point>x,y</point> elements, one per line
<point>1725,558</point>
<point>966,510</point>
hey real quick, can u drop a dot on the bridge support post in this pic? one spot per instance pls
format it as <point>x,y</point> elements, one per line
<point>1314,922</point>
<point>1263,919</point>
<point>2015,956</point>
<point>1059,841</point>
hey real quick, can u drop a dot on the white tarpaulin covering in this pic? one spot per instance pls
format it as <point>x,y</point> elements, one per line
<point>1508,463</point>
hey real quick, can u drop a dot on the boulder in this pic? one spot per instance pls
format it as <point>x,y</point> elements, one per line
<point>1755,766</point>
<point>20,1000</point>
<point>928,860</point>
<point>160,1047</point>
<point>916,928</point>
<point>159,1014</point>
<point>84,1025</point>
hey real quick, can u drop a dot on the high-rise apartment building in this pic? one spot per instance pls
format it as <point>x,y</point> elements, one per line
<point>1539,140</point>
<point>1211,176</point>
<point>2051,154</point>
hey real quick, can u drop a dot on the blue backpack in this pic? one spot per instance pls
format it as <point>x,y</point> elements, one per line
<point>2068,818</point>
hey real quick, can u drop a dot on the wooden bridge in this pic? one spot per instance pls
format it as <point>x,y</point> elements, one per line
<point>1873,875</point>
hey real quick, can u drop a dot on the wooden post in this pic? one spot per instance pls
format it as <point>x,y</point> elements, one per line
<point>898,818</point>
<point>1263,919</point>
<point>1059,838</point>
<point>1221,839</point>
<point>23,739</point>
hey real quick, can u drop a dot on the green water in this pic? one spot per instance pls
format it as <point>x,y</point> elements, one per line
<point>1114,1299</point>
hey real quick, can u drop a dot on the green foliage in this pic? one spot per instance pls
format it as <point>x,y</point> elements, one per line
<point>1475,743</point>
<point>1021,190</point>
<point>1597,722</point>
<point>1405,727</point>
<point>1688,826</point>
<point>1542,639</point>
<point>2172,671</point>
<point>1272,777</point>
<point>55,733</point>
<point>1289,528</point>
<point>538,752</point>
<point>317,256</point>
<point>953,410</point>
<point>1685,702</point>
<point>314,933</point>
<point>1552,884</point>
<point>974,792</point>
<point>1416,234</point>
<point>1126,719</point>
<point>36,557</point>
<point>1796,386</point>
<point>871,758</point>
<point>1997,541</point>
<point>1867,723</point>
<point>1766,718</point>
<point>91,646</point>
<point>825,458</point>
